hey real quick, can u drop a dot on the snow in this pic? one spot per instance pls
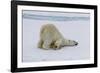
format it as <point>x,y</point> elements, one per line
<point>75,30</point>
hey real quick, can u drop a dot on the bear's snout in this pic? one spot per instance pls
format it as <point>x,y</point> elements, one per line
<point>76,43</point>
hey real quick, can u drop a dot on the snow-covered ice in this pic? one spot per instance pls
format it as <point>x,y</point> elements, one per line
<point>78,30</point>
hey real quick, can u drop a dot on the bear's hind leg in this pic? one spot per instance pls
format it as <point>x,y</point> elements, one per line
<point>40,44</point>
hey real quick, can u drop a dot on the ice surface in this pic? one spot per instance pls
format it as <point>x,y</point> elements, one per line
<point>75,30</point>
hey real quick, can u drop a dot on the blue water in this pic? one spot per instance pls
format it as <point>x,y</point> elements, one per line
<point>54,18</point>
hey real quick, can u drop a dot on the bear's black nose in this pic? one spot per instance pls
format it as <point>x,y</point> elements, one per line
<point>76,43</point>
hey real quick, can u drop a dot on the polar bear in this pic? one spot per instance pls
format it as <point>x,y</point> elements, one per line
<point>51,38</point>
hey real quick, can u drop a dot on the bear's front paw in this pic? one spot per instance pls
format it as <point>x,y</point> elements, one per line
<point>45,47</point>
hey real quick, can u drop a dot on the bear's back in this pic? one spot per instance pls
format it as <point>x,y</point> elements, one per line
<point>50,30</point>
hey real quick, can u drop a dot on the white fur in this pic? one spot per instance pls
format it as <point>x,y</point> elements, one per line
<point>50,37</point>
